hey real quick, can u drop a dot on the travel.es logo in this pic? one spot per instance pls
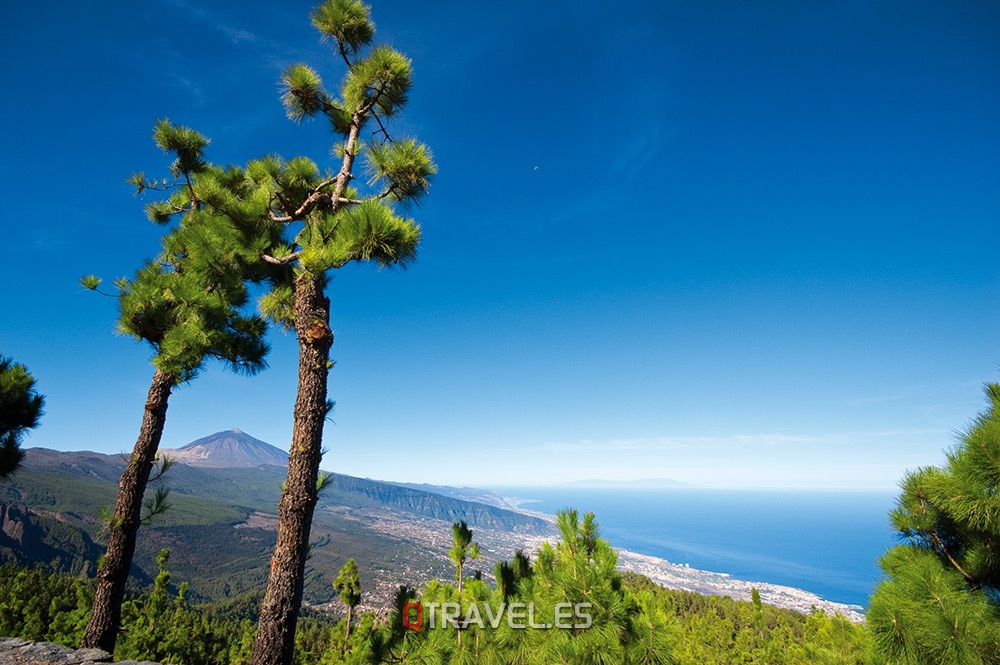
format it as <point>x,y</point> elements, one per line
<point>518,616</point>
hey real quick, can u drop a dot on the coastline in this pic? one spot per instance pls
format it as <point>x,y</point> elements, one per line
<point>684,578</point>
<point>671,527</point>
<point>496,545</point>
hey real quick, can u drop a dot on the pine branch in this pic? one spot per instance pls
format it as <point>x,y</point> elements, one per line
<point>347,164</point>
<point>91,282</point>
<point>343,54</point>
<point>284,204</point>
<point>164,465</point>
<point>940,547</point>
<point>328,107</point>
<point>333,228</point>
<point>382,130</point>
<point>195,201</point>
<point>364,110</point>
<point>147,331</point>
<point>378,197</point>
<point>142,184</point>
<point>281,261</point>
<point>315,197</point>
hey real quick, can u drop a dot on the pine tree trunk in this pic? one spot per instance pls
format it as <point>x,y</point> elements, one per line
<point>279,610</point>
<point>459,626</point>
<point>102,629</point>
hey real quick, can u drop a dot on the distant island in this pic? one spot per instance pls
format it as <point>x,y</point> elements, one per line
<point>643,483</point>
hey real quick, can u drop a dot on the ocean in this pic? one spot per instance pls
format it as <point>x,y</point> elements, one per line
<point>823,542</point>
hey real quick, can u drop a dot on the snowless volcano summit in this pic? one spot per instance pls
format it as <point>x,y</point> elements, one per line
<point>229,449</point>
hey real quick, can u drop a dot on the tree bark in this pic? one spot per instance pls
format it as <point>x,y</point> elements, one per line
<point>275,641</point>
<point>102,629</point>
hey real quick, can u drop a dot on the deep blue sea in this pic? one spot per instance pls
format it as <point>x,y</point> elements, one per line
<point>824,542</point>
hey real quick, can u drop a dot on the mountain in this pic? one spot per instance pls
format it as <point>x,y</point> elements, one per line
<point>439,506</point>
<point>231,449</point>
<point>220,528</point>
<point>489,497</point>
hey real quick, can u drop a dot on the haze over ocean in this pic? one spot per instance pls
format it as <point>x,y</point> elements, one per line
<point>826,542</point>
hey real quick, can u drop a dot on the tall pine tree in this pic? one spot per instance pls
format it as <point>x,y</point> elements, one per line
<point>187,304</point>
<point>940,602</point>
<point>329,222</point>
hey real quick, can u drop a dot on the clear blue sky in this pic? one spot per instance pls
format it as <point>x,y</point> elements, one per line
<point>729,243</point>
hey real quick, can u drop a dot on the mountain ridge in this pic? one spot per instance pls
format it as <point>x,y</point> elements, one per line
<point>220,528</point>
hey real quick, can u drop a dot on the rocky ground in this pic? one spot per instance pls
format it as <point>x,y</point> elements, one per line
<point>15,651</point>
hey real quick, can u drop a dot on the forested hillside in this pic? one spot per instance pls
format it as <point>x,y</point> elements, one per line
<point>220,524</point>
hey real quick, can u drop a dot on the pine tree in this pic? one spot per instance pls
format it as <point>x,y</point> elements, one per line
<point>461,550</point>
<point>941,600</point>
<point>327,223</point>
<point>20,410</point>
<point>348,584</point>
<point>187,305</point>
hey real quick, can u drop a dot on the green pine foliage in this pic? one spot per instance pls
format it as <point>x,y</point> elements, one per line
<point>284,216</point>
<point>159,625</point>
<point>163,627</point>
<point>20,410</point>
<point>188,306</point>
<point>716,629</point>
<point>940,602</point>
<point>38,605</point>
<point>189,302</point>
<point>290,212</point>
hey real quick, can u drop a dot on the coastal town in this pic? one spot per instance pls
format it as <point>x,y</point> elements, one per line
<point>435,536</point>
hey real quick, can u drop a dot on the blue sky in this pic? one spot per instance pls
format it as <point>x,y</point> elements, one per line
<point>729,243</point>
